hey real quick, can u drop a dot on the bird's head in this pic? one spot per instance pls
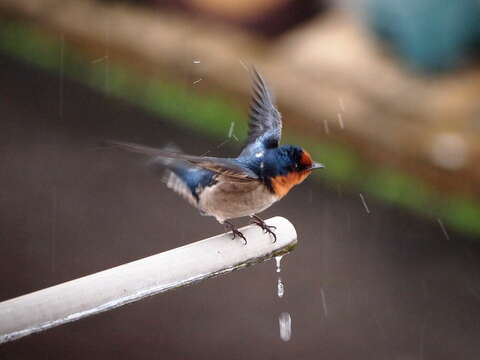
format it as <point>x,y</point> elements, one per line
<point>293,165</point>
<point>298,160</point>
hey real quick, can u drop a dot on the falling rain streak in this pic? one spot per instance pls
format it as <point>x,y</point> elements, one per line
<point>53,230</point>
<point>440,222</point>
<point>340,120</point>
<point>106,58</point>
<point>60,90</point>
<point>339,114</point>
<point>327,129</point>
<point>243,64</point>
<point>230,136</point>
<point>230,130</point>
<point>364,204</point>
<point>96,61</point>
<point>324,303</point>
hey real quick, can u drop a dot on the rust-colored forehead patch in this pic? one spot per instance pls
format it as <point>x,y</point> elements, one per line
<point>306,159</point>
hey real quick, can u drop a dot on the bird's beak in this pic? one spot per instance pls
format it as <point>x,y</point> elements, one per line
<point>316,165</point>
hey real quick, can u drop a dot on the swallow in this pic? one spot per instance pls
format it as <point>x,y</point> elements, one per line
<point>229,188</point>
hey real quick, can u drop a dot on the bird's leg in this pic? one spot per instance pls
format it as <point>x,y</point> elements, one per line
<point>266,228</point>
<point>230,227</point>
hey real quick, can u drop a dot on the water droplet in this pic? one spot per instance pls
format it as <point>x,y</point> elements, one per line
<point>285,324</point>
<point>280,288</point>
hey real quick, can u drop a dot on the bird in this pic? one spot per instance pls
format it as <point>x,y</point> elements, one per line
<point>228,188</point>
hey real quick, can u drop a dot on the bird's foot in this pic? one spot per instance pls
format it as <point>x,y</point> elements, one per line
<point>266,228</point>
<point>230,227</point>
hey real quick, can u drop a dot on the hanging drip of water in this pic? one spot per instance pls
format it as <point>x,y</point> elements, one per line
<point>280,286</point>
<point>278,260</point>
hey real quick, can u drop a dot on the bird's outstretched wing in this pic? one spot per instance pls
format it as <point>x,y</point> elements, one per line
<point>228,168</point>
<point>265,125</point>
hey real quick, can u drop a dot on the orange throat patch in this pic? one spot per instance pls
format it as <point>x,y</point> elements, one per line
<point>282,184</point>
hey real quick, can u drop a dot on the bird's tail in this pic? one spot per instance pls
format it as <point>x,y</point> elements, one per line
<point>160,158</point>
<point>136,148</point>
<point>176,172</point>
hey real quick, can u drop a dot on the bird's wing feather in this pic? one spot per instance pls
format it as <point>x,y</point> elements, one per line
<point>228,168</point>
<point>175,183</point>
<point>265,125</point>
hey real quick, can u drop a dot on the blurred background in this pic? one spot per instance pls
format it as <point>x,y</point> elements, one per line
<point>384,92</point>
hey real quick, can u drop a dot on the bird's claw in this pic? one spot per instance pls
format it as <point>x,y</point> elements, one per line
<point>235,232</point>
<point>266,228</point>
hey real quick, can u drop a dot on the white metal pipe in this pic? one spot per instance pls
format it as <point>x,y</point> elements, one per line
<point>134,281</point>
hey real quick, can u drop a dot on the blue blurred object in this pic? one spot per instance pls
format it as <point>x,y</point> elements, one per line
<point>431,35</point>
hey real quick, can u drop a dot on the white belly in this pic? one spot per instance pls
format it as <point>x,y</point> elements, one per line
<point>232,200</point>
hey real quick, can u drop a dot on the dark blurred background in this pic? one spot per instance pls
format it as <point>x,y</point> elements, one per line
<point>384,92</point>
